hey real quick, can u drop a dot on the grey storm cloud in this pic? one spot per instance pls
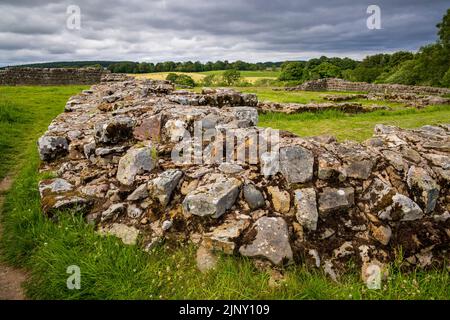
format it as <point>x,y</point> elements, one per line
<point>250,30</point>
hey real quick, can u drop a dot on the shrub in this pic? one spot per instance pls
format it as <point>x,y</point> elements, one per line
<point>231,77</point>
<point>209,81</point>
<point>291,71</point>
<point>181,79</point>
<point>172,77</point>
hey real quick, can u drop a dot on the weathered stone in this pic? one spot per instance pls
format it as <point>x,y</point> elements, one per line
<point>59,194</point>
<point>296,164</point>
<point>306,206</point>
<point>166,225</point>
<point>411,154</point>
<point>423,187</point>
<point>384,129</point>
<point>162,187</point>
<point>402,208</point>
<point>213,199</point>
<point>230,168</point>
<point>115,130</point>
<point>344,250</point>
<point>188,186</point>
<point>134,162</point>
<point>52,147</point>
<point>381,233</point>
<point>106,151</point>
<point>396,160</point>
<point>324,139</point>
<point>331,199</point>
<point>148,129</point>
<point>359,169</point>
<point>246,113</point>
<point>140,192</point>
<point>439,160</point>
<point>379,195</point>
<point>271,241</point>
<point>113,211</point>
<point>253,197</point>
<point>56,185</point>
<point>127,234</point>
<point>112,98</point>
<point>98,191</point>
<point>74,203</point>
<point>89,149</point>
<point>281,199</point>
<point>329,166</point>
<point>74,134</point>
<point>223,237</point>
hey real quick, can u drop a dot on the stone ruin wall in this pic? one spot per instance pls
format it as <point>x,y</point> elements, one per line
<point>316,201</point>
<point>333,84</point>
<point>50,76</point>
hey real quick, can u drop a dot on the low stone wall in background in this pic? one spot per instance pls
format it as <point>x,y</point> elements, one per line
<point>333,84</point>
<point>50,76</point>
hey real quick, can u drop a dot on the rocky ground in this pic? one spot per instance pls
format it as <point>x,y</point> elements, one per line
<point>303,200</point>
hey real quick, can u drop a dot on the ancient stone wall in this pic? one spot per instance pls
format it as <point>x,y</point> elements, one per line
<point>333,84</point>
<point>50,76</point>
<point>146,163</point>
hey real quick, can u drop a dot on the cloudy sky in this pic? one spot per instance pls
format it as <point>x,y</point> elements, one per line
<point>179,30</point>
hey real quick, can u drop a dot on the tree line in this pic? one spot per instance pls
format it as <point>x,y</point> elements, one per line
<point>189,66</point>
<point>429,66</point>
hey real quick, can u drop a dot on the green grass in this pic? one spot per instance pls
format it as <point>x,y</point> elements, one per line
<point>24,113</point>
<point>357,127</point>
<point>111,270</point>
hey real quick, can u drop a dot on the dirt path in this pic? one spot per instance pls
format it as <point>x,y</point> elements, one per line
<point>11,279</point>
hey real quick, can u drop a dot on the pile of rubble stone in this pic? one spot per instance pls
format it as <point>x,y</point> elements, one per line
<point>408,99</point>
<point>314,201</point>
<point>291,108</point>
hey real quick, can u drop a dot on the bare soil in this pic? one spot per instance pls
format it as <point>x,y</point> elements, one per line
<point>11,279</point>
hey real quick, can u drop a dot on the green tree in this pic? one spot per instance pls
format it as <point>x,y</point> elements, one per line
<point>172,77</point>
<point>327,70</point>
<point>209,80</point>
<point>185,80</point>
<point>231,76</point>
<point>446,79</point>
<point>444,30</point>
<point>181,79</point>
<point>291,71</point>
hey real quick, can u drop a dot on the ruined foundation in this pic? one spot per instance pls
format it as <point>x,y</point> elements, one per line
<point>115,151</point>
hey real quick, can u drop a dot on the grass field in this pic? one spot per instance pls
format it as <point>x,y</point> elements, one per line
<point>111,270</point>
<point>249,76</point>
<point>24,113</point>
